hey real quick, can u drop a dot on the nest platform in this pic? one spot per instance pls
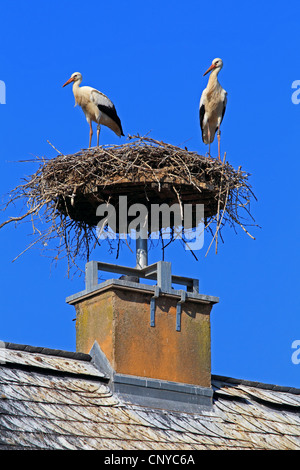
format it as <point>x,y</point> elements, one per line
<point>66,190</point>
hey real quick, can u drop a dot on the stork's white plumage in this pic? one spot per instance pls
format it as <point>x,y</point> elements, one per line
<point>212,106</point>
<point>96,106</point>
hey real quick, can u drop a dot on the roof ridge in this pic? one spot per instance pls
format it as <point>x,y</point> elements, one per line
<point>255,384</point>
<point>47,351</point>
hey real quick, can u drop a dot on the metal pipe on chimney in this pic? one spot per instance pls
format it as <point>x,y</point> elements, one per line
<point>142,246</point>
<point>141,252</point>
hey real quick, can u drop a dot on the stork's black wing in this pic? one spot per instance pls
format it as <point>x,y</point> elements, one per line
<point>202,110</point>
<point>106,106</point>
<point>111,112</point>
<point>224,106</point>
<point>201,115</point>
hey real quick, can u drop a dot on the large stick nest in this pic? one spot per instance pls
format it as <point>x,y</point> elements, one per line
<point>65,191</point>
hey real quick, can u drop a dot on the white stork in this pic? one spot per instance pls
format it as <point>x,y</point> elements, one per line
<point>212,106</point>
<point>96,107</point>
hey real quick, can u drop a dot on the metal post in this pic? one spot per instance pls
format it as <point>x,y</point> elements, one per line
<point>142,246</point>
<point>179,310</point>
<point>152,305</point>
<point>91,275</point>
<point>141,253</point>
<point>164,276</point>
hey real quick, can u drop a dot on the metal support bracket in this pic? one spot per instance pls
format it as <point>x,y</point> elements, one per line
<point>179,309</point>
<point>160,271</point>
<point>152,305</point>
<point>91,275</point>
<point>164,275</point>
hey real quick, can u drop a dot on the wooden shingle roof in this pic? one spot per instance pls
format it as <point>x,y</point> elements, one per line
<point>59,400</point>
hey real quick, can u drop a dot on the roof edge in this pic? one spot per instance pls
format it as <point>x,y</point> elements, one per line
<point>249,383</point>
<point>47,351</point>
<point>88,358</point>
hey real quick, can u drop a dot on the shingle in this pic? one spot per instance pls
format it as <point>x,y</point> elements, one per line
<point>40,409</point>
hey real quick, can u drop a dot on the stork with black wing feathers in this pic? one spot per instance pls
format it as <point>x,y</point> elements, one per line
<point>212,106</point>
<point>96,107</point>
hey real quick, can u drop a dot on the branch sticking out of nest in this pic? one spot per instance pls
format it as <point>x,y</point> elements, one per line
<point>65,191</point>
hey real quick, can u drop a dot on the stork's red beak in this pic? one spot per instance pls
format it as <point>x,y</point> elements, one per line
<point>69,81</point>
<point>213,66</point>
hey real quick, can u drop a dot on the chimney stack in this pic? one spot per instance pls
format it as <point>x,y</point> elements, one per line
<point>152,341</point>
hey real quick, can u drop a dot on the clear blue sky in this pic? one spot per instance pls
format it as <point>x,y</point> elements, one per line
<point>149,58</point>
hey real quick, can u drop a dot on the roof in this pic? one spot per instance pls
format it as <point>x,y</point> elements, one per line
<point>52,399</point>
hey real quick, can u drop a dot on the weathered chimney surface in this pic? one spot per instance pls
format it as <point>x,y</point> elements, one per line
<point>151,340</point>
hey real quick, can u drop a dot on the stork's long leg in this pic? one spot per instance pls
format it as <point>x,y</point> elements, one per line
<point>208,132</point>
<point>219,144</point>
<point>91,133</point>
<point>98,134</point>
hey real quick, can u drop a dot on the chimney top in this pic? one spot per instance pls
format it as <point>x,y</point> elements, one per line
<point>153,341</point>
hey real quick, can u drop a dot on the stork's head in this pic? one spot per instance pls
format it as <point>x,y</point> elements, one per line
<point>75,77</point>
<point>216,65</point>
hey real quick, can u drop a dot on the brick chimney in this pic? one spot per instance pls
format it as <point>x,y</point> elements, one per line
<point>153,341</point>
